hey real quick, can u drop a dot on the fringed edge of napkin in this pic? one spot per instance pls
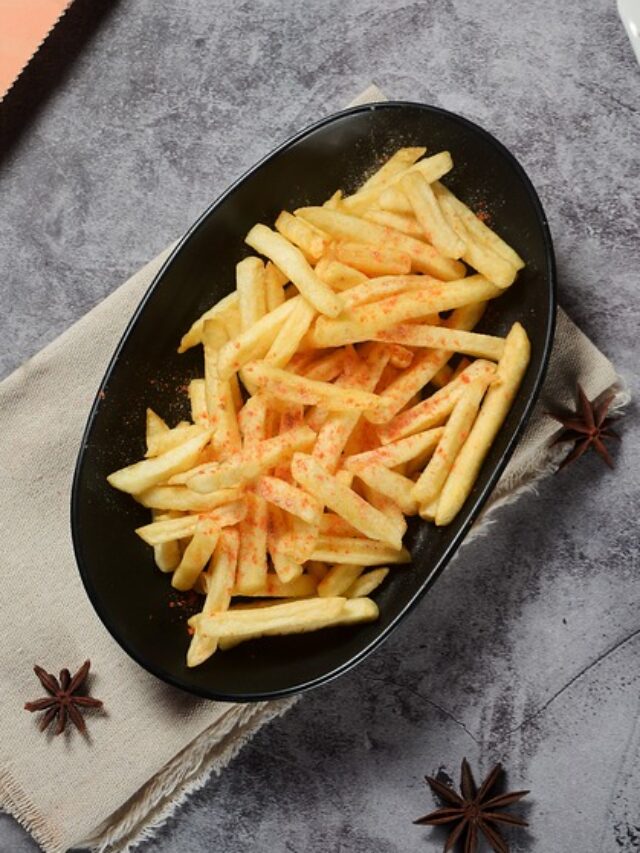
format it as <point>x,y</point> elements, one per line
<point>14,801</point>
<point>142,816</point>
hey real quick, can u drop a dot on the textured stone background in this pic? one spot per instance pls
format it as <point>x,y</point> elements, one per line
<point>135,116</point>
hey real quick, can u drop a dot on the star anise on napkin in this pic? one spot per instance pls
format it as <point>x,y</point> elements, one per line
<point>587,427</point>
<point>64,701</point>
<point>474,811</point>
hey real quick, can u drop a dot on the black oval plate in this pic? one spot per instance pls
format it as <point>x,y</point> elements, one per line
<point>133,599</point>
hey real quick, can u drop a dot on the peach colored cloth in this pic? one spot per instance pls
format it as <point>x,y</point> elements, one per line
<point>24,25</point>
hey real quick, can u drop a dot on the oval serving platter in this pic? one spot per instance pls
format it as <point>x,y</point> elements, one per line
<point>134,600</point>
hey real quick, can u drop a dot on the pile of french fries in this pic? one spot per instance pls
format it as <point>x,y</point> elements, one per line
<point>344,388</point>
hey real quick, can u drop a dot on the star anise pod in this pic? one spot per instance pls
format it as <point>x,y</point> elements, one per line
<point>64,701</point>
<point>587,427</point>
<point>474,811</point>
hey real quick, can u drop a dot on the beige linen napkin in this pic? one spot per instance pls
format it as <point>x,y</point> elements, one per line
<point>154,744</point>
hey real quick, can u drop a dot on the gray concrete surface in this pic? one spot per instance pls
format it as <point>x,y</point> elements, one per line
<point>528,648</point>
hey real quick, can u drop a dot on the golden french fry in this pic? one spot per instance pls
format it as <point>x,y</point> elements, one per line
<point>400,356</point>
<point>294,617</point>
<point>221,577</point>
<point>252,556</point>
<point>282,385</point>
<point>292,332</point>
<point>376,289</point>
<point>405,222</point>
<point>366,583</point>
<point>290,498</point>
<point>166,555</point>
<point>431,168</point>
<point>393,485</point>
<point>286,567</point>
<point>337,275</point>
<point>250,285</point>
<point>372,261</point>
<point>309,239</point>
<point>184,500</point>
<point>334,201</point>
<point>396,452</point>
<point>364,321</point>
<point>432,221</point>
<point>254,342</point>
<point>455,433</point>
<point>274,282</point>
<point>198,402</point>
<point>226,307</point>
<point>397,163</point>
<point>363,552</point>
<point>273,587</point>
<point>196,555</point>
<point>344,501</point>
<point>478,229</point>
<point>338,579</point>
<point>179,528</point>
<point>225,435</point>
<point>424,258</point>
<point>333,525</point>
<point>295,266</point>
<point>155,426</point>
<point>252,420</point>
<point>442,337</point>
<point>509,374</point>
<point>327,368</point>
<point>435,409</point>
<point>250,463</point>
<point>149,472</point>
<point>423,368</point>
<point>428,512</point>
<point>168,439</point>
<point>393,200</point>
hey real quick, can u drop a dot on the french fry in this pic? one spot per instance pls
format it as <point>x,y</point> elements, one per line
<point>254,342</point>
<point>150,472</point>
<point>384,503</point>
<point>179,528</point>
<point>338,579</point>
<point>293,500</point>
<point>393,485</point>
<point>478,229</point>
<point>431,168</point>
<point>394,200</point>
<point>286,567</point>
<point>196,555</point>
<point>310,474</point>
<point>509,374</point>
<point>399,162</point>
<point>250,463</point>
<point>168,439</point>
<point>295,266</point>
<point>252,421</point>
<point>326,369</point>
<point>478,255</point>
<point>310,240</point>
<point>432,479</point>
<point>432,221</point>
<point>225,435</point>
<point>376,289</point>
<point>404,222</point>
<point>155,426</point>
<point>333,525</point>
<point>435,409</point>
<point>400,356</point>
<point>294,617</point>
<point>221,579</point>
<point>227,306</point>
<point>424,258</point>
<point>372,261</point>
<point>333,202</point>
<point>364,552</point>
<point>198,403</point>
<point>274,282</point>
<point>428,512</point>
<point>442,337</point>
<point>179,498</point>
<point>166,555</point>
<point>396,452</point>
<point>251,291</point>
<point>337,275</point>
<point>273,587</point>
<point>292,332</point>
<point>282,385</point>
<point>252,556</point>
<point>366,583</point>
<point>423,368</point>
<point>365,321</point>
